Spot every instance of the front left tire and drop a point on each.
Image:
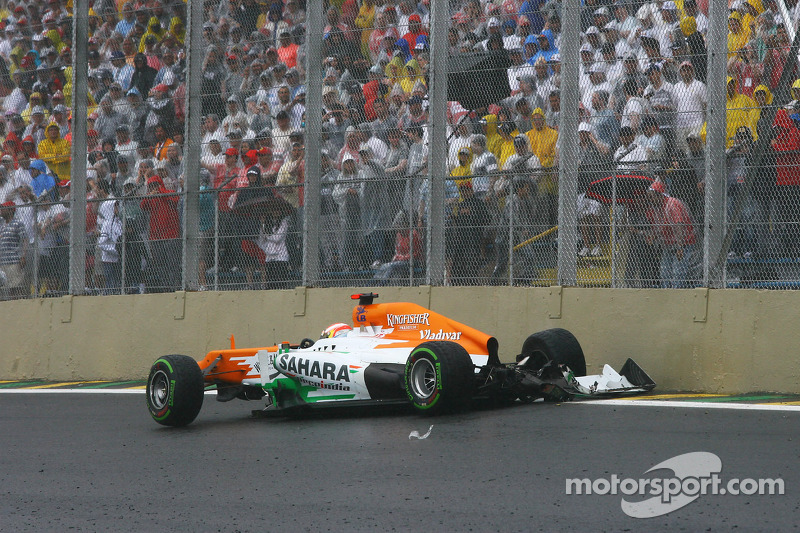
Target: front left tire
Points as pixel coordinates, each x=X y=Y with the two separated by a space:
x=175 y=390
x=439 y=377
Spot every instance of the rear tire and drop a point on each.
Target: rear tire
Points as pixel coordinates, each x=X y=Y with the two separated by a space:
x=175 y=390
x=557 y=345
x=439 y=377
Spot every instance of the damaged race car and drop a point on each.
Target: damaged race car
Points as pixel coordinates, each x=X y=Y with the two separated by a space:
x=395 y=353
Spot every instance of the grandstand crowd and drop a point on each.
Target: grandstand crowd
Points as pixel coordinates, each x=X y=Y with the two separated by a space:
x=642 y=108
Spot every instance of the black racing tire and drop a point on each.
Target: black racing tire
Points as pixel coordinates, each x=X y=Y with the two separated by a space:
x=175 y=390
x=557 y=345
x=439 y=377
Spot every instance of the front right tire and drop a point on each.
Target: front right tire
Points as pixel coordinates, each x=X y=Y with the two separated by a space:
x=557 y=345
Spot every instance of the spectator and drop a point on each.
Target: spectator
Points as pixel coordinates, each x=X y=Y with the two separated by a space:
x=674 y=230
x=786 y=145
x=163 y=267
x=776 y=56
x=55 y=151
x=329 y=216
x=629 y=155
x=162 y=142
x=109 y=119
x=469 y=235
x=747 y=70
x=376 y=207
x=52 y=224
x=691 y=10
x=543 y=144
x=395 y=167
x=109 y=229
x=741 y=111
x=42 y=183
x=635 y=107
x=407 y=245
x=690 y=105
x=143 y=77
x=347 y=195
x=738 y=34
x=653 y=142
x=291 y=177
x=13 y=252
x=518 y=213
x=661 y=97
x=249 y=219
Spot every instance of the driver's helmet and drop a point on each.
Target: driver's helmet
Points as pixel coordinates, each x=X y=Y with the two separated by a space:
x=335 y=330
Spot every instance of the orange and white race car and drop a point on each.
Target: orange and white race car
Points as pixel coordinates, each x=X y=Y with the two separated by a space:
x=393 y=353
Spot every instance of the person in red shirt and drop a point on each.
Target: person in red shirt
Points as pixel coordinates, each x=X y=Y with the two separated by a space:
x=164 y=264
x=287 y=50
x=229 y=178
x=786 y=145
x=415 y=29
x=674 y=230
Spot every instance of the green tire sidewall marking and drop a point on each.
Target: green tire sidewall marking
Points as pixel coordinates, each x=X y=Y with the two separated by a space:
x=171 y=390
x=413 y=359
x=166 y=363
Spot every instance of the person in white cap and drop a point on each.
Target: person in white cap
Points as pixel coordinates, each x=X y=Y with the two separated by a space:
x=594 y=163
x=597 y=80
x=347 y=195
x=628 y=24
x=690 y=105
x=594 y=39
x=587 y=61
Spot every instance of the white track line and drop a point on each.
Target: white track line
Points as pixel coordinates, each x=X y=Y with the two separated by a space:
x=693 y=405
x=79 y=391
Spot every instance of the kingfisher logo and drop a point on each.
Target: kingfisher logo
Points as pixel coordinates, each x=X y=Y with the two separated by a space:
x=419 y=318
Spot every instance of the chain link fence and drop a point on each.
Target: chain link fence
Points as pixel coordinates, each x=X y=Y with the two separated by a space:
x=382 y=176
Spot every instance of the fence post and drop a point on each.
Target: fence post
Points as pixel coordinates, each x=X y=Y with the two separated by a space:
x=77 y=228
x=192 y=143
x=437 y=142
x=715 y=216
x=568 y=145
x=313 y=139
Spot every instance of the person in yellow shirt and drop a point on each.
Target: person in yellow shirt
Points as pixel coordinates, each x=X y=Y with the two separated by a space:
x=366 y=21
x=500 y=131
x=741 y=111
x=153 y=28
x=738 y=34
x=55 y=151
x=543 y=139
x=463 y=170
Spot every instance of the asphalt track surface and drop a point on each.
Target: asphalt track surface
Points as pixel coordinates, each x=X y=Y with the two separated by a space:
x=98 y=462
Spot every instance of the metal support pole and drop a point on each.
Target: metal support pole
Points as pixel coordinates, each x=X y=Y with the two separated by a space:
x=714 y=230
x=192 y=148
x=80 y=88
x=313 y=140
x=568 y=144
x=437 y=142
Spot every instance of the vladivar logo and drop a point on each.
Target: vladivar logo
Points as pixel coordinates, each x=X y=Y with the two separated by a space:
x=692 y=475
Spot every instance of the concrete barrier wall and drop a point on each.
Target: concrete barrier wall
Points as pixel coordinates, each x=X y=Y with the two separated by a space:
x=727 y=341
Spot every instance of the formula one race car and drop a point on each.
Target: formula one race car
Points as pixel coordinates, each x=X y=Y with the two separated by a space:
x=394 y=353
